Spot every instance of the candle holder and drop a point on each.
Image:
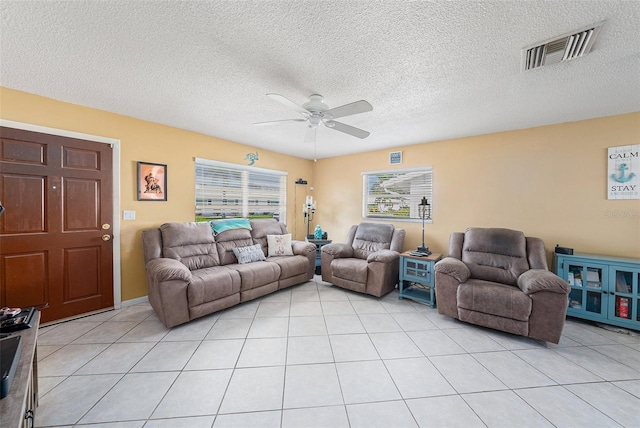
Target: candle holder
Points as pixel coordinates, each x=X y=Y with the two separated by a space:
x=308 y=210
x=424 y=209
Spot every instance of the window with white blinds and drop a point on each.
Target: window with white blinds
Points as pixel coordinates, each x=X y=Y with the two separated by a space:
x=396 y=194
x=225 y=190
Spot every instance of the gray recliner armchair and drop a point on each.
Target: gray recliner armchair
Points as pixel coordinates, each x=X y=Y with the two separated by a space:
x=498 y=278
x=368 y=261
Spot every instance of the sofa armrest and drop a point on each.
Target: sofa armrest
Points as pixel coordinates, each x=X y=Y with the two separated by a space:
x=454 y=268
x=338 y=250
x=383 y=256
x=302 y=248
x=535 y=280
x=164 y=269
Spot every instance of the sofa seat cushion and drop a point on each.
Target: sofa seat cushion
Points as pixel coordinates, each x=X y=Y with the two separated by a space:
x=253 y=275
x=494 y=299
x=211 y=284
x=291 y=266
x=354 y=270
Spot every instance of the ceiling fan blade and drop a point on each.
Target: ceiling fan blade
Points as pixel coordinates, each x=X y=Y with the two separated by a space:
x=310 y=136
x=287 y=102
x=348 y=109
x=272 y=122
x=348 y=129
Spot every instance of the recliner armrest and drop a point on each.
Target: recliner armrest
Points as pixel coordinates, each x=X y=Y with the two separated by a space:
x=338 y=250
x=535 y=280
x=165 y=269
x=383 y=256
x=302 y=248
x=454 y=268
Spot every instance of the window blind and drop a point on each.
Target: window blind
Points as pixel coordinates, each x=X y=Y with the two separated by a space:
x=396 y=194
x=225 y=190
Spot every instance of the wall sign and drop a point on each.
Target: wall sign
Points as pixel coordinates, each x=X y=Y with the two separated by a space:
x=623 y=177
x=395 y=158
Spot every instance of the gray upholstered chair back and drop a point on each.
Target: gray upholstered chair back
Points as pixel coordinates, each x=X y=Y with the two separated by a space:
x=498 y=255
x=192 y=244
x=367 y=238
x=263 y=227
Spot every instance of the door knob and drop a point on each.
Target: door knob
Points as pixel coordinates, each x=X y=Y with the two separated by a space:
x=106 y=237
x=106 y=226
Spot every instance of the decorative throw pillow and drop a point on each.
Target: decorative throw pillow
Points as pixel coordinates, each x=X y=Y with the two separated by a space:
x=279 y=245
x=252 y=253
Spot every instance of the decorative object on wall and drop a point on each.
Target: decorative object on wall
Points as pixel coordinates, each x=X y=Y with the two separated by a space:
x=395 y=158
x=251 y=157
x=308 y=210
x=152 y=181
x=623 y=179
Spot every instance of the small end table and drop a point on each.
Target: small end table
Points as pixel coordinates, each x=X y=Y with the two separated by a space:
x=417 y=279
x=319 y=243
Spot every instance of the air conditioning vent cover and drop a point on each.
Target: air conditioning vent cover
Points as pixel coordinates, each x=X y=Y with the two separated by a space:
x=559 y=49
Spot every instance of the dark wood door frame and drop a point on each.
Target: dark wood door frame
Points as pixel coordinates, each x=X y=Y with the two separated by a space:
x=115 y=144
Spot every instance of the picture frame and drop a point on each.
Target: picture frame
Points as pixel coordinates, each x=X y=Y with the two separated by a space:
x=152 y=181
x=395 y=158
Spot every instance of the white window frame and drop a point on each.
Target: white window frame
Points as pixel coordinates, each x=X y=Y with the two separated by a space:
x=412 y=183
x=245 y=196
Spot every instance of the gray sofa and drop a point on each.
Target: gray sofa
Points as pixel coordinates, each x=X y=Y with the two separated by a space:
x=368 y=262
x=191 y=273
x=498 y=278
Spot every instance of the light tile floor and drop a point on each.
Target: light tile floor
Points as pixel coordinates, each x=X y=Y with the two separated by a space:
x=316 y=355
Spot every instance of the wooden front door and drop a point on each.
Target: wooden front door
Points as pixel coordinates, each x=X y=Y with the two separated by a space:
x=55 y=234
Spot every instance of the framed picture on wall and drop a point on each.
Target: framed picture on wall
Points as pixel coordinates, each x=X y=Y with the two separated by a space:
x=152 y=181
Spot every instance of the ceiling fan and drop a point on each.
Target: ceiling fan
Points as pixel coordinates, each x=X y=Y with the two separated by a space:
x=315 y=112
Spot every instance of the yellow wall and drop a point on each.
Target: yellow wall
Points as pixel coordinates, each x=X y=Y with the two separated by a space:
x=549 y=182
x=150 y=142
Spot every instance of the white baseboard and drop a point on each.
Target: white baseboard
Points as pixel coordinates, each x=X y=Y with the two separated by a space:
x=136 y=301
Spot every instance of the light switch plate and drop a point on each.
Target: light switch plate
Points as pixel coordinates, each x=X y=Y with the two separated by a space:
x=128 y=215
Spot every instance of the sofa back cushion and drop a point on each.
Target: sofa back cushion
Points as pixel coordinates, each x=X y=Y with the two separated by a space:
x=230 y=239
x=190 y=243
x=371 y=237
x=494 y=254
x=260 y=228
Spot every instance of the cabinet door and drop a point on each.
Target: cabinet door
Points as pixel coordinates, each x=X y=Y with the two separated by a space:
x=625 y=296
x=418 y=270
x=586 y=280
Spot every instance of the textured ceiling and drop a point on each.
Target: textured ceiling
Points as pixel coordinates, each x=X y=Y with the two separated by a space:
x=432 y=70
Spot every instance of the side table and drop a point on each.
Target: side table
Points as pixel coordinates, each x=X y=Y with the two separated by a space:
x=417 y=281
x=319 y=243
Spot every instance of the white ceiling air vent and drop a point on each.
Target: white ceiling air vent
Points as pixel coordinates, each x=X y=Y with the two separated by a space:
x=559 y=49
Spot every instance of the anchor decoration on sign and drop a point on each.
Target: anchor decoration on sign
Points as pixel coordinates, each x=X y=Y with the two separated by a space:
x=621 y=176
x=252 y=157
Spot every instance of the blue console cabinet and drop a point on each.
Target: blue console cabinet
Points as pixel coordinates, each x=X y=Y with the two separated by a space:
x=603 y=288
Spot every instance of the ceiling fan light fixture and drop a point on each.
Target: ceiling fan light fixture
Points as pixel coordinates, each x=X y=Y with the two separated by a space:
x=316 y=112
x=314 y=120
x=315 y=104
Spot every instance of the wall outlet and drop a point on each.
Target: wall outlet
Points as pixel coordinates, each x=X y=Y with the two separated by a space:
x=128 y=215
